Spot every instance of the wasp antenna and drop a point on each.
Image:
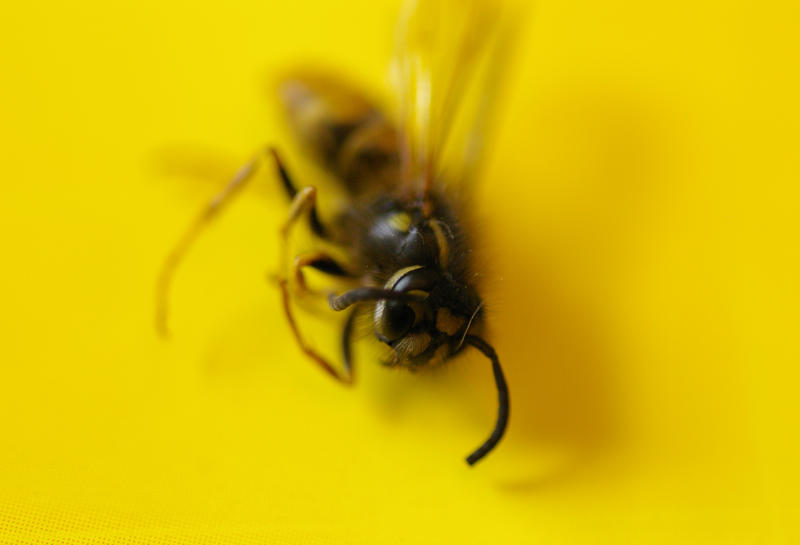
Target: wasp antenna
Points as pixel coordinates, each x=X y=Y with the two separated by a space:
x=359 y=295
x=502 y=398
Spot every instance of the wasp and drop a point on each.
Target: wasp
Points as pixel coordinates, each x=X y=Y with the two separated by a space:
x=403 y=244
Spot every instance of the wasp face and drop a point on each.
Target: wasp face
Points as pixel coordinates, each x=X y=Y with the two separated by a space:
x=395 y=319
x=425 y=331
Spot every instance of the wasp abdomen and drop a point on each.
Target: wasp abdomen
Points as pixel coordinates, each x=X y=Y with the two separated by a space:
x=343 y=130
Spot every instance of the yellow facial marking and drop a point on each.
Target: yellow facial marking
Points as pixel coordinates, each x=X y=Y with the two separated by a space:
x=441 y=241
x=401 y=221
x=447 y=322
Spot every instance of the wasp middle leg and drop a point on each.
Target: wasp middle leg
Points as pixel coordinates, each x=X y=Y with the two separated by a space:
x=319 y=261
x=291 y=190
x=304 y=203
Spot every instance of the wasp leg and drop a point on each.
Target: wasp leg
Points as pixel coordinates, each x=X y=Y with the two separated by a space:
x=212 y=209
x=347 y=344
x=305 y=201
x=345 y=378
x=319 y=261
x=323 y=263
x=292 y=191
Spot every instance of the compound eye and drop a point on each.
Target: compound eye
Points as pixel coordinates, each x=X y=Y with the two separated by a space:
x=394 y=319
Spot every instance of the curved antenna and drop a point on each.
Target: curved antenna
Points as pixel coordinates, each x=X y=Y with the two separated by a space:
x=502 y=398
x=359 y=295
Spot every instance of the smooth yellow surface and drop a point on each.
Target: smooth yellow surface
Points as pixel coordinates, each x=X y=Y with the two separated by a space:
x=639 y=236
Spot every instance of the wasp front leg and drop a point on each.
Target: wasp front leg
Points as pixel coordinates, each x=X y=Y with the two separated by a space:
x=347 y=343
x=323 y=263
x=328 y=265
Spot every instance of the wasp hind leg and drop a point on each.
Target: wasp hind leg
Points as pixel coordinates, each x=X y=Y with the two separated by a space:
x=191 y=234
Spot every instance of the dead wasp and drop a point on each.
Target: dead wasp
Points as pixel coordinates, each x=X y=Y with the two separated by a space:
x=407 y=251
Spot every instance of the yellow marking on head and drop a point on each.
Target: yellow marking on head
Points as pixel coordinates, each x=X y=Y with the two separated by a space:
x=400 y=221
x=447 y=322
x=441 y=241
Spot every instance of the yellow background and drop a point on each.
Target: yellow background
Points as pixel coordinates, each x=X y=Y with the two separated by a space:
x=639 y=222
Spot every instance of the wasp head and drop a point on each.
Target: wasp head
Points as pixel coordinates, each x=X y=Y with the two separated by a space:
x=429 y=324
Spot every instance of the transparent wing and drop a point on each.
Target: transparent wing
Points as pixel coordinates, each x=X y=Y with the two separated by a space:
x=449 y=64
